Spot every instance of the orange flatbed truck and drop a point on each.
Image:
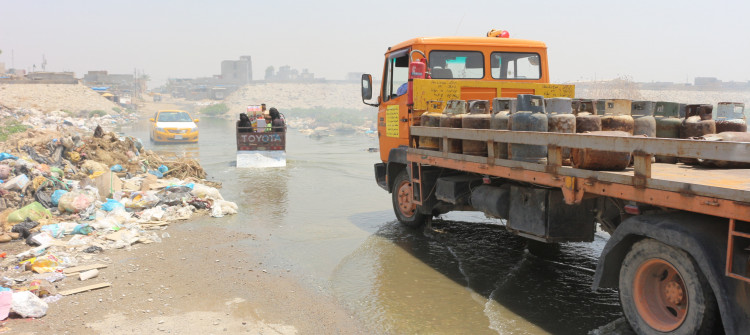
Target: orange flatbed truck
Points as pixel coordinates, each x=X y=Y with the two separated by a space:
x=679 y=249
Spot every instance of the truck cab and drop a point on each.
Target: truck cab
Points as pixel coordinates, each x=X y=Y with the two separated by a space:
x=463 y=68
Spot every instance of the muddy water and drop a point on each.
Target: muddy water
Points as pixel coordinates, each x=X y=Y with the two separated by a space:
x=326 y=222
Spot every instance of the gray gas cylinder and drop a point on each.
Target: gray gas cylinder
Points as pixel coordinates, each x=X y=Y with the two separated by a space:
x=730 y=116
x=529 y=117
x=501 y=110
x=644 y=122
x=668 y=123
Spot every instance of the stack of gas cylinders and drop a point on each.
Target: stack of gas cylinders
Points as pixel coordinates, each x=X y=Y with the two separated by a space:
x=602 y=117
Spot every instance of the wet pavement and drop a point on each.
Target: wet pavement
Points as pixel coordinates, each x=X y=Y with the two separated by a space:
x=325 y=220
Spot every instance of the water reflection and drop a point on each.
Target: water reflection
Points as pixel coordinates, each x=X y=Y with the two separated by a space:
x=472 y=278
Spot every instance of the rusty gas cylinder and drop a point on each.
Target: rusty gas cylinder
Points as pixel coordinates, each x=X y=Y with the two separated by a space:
x=617 y=117
x=599 y=160
x=529 y=117
x=644 y=122
x=560 y=119
x=478 y=118
x=501 y=109
x=697 y=123
x=451 y=118
x=431 y=118
x=586 y=118
x=727 y=136
x=730 y=116
x=668 y=125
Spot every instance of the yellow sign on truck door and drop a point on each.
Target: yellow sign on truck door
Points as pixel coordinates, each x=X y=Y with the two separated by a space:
x=391 y=121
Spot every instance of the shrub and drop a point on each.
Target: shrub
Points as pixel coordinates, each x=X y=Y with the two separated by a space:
x=97 y=113
x=214 y=110
x=9 y=127
x=117 y=110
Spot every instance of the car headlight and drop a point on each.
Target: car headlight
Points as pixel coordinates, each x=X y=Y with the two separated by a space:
x=159 y=129
x=194 y=129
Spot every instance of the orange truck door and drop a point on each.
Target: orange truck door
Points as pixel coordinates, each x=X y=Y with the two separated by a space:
x=393 y=125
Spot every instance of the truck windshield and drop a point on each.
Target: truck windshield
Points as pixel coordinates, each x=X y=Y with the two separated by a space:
x=515 y=65
x=456 y=64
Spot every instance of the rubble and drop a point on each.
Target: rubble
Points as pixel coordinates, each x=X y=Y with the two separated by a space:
x=67 y=194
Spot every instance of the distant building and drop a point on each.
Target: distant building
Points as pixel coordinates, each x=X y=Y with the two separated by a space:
x=117 y=82
x=707 y=81
x=354 y=76
x=237 y=71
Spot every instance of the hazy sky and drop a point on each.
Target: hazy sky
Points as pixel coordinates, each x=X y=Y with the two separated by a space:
x=668 y=40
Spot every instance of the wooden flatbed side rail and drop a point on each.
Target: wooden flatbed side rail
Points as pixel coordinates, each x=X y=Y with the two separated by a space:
x=574 y=188
x=728 y=151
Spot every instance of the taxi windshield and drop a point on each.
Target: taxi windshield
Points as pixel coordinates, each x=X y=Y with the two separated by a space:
x=174 y=117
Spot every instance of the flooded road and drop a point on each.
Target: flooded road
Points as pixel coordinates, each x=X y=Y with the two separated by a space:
x=328 y=223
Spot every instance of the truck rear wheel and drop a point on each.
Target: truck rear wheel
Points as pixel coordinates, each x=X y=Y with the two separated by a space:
x=662 y=291
x=403 y=202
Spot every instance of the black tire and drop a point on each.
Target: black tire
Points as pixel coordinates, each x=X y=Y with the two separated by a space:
x=676 y=300
x=407 y=214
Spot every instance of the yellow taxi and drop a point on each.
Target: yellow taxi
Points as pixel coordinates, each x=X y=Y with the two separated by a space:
x=173 y=126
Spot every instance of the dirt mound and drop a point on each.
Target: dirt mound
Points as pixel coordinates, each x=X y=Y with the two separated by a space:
x=50 y=97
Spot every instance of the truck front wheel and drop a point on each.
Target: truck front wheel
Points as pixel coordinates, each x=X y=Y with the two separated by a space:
x=662 y=291
x=403 y=202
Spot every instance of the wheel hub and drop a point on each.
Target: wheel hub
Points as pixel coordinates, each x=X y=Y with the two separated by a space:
x=674 y=293
x=660 y=296
x=405 y=203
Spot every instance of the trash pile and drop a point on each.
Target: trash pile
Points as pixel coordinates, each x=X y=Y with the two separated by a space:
x=66 y=196
x=83 y=121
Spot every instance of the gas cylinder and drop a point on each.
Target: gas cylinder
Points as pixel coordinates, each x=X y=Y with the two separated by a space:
x=586 y=118
x=451 y=118
x=529 y=117
x=501 y=109
x=560 y=119
x=431 y=118
x=697 y=123
x=590 y=159
x=478 y=118
x=644 y=122
x=668 y=125
x=616 y=116
x=730 y=116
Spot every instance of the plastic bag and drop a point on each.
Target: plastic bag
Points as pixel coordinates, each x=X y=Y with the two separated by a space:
x=34 y=211
x=163 y=168
x=55 y=198
x=156 y=173
x=116 y=168
x=24 y=228
x=75 y=202
x=5 y=155
x=140 y=200
x=83 y=229
x=44 y=198
x=111 y=204
x=174 y=195
x=206 y=192
x=28 y=305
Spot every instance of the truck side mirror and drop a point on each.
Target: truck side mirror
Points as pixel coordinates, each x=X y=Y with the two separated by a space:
x=367 y=89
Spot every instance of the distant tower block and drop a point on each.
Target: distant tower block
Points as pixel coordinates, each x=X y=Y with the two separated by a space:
x=237 y=71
